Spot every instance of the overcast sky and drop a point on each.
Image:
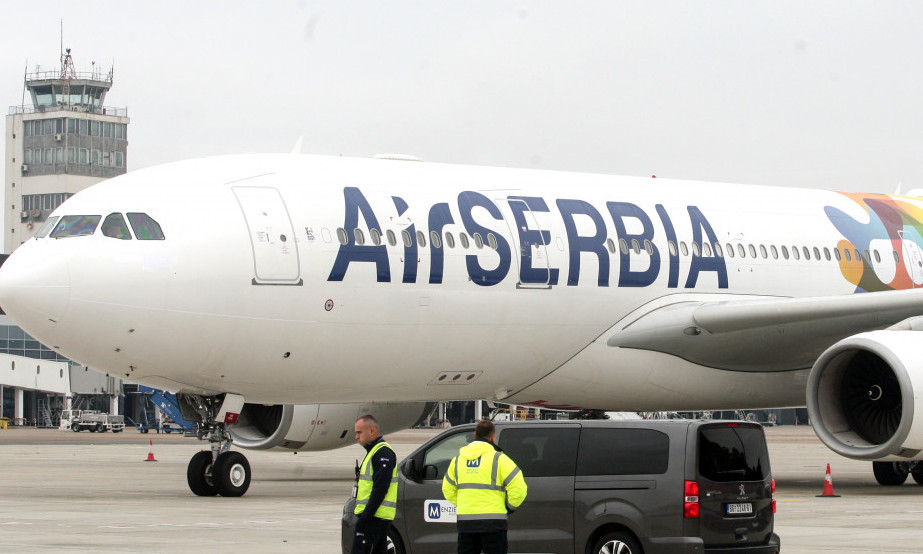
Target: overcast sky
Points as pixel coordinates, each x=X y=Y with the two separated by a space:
x=825 y=94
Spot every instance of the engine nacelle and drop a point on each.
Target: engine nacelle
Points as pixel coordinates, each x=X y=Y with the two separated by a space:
x=318 y=426
x=863 y=396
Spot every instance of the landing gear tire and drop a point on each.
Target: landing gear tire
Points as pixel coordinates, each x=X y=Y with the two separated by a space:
x=890 y=474
x=231 y=474
x=917 y=473
x=199 y=476
x=617 y=543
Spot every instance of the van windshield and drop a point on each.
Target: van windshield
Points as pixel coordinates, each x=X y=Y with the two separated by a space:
x=733 y=453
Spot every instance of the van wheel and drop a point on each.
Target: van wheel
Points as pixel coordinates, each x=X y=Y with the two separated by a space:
x=395 y=546
x=617 y=543
x=890 y=474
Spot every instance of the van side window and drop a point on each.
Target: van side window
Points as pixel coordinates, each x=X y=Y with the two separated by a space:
x=441 y=453
x=541 y=452
x=732 y=454
x=623 y=452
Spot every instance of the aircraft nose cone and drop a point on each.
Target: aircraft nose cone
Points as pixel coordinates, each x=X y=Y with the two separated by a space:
x=34 y=290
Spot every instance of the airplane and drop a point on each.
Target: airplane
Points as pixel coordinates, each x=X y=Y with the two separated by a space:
x=281 y=296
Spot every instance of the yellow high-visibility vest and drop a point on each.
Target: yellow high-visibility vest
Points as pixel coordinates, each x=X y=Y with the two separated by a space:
x=388 y=507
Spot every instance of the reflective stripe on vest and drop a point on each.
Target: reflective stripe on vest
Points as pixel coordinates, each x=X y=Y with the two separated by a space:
x=388 y=508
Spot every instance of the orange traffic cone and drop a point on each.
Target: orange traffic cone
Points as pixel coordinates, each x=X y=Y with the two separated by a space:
x=150 y=453
x=828 y=485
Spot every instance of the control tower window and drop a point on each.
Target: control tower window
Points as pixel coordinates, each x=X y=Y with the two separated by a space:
x=114 y=227
x=145 y=227
x=75 y=226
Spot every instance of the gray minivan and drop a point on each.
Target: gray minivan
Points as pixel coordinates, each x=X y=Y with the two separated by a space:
x=602 y=486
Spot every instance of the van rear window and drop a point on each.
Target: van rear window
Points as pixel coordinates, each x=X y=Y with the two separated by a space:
x=733 y=454
x=623 y=452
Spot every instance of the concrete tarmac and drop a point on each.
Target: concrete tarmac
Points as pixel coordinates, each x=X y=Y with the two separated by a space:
x=88 y=492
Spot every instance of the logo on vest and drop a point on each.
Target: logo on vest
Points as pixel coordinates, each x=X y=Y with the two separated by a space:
x=474 y=463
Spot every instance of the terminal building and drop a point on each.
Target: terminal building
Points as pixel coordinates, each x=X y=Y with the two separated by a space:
x=62 y=142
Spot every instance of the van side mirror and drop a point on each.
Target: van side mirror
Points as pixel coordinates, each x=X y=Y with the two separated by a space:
x=430 y=472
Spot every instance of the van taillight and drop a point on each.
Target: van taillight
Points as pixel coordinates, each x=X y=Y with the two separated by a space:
x=772 y=490
x=691 y=500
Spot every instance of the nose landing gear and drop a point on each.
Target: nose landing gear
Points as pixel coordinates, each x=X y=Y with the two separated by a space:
x=219 y=470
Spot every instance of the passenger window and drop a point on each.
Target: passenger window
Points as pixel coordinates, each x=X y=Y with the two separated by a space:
x=421 y=239
x=375 y=235
x=75 y=226
x=145 y=227
x=695 y=249
x=492 y=241
x=827 y=253
x=610 y=244
x=405 y=236
x=741 y=251
x=435 y=240
x=449 y=240
x=672 y=247
x=478 y=241
x=440 y=454
x=763 y=252
x=732 y=454
x=341 y=235
x=817 y=254
x=730 y=250
x=541 y=452
x=847 y=254
x=877 y=257
x=684 y=250
x=623 y=246
x=718 y=251
x=836 y=254
x=752 y=251
x=795 y=253
x=807 y=253
x=114 y=227
x=774 y=251
x=48 y=226
x=392 y=240
x=897 y=258
x=463 y=240
x=622 y=452
x=359 y=236
x=636 y=246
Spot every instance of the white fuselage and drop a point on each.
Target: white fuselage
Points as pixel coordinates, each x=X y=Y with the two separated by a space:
x=253 y=291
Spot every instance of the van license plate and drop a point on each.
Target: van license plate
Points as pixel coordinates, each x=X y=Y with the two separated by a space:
x=742 y=508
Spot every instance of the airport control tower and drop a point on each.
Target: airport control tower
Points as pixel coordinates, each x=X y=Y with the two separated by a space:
x=67 y=140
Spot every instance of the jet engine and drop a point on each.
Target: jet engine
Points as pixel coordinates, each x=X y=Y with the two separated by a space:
x=865 y=396
x=318 y=426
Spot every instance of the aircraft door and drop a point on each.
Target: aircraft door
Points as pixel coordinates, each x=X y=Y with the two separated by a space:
x=913 y=260
x=272 y=237
x=529 y=240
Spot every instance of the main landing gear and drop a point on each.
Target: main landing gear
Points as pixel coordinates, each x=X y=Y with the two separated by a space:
x=219 y=470
x=892 y=474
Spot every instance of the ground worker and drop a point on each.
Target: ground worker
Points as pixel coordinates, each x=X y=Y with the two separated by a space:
x=486 y=486
x=376 y=489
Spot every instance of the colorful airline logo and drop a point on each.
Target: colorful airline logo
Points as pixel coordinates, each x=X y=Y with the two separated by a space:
x=868 y=248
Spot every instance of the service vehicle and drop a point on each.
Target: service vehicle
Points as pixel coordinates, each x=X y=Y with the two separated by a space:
x=604 y=486
x=93 y=421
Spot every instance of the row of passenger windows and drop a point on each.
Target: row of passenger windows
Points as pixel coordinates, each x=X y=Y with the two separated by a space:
x=696 y=249
x=42 y=156
x=143 y=225
x=37 y=127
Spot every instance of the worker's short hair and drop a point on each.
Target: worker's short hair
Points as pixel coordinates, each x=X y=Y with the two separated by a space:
x=369 y=418
x=484 y=429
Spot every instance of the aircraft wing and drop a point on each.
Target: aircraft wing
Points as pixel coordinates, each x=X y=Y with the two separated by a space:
x=773 y=334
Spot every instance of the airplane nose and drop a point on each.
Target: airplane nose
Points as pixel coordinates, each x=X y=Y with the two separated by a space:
x=34 y=288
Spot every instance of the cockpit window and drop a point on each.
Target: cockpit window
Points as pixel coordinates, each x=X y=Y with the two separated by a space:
x=75 y=226
x=145 y=227
x=114 y=226
x=46 y=227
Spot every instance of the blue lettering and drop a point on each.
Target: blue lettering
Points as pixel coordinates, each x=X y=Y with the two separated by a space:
x=594 y=244
x=702 y=263
x=352 y=252
x=467 y=201
x=627 y=277
x=439 y=217
x=410 y=250
x=673 y=280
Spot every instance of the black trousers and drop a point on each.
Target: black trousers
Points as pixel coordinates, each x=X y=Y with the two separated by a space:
x=371 y=536
x=492 y=542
